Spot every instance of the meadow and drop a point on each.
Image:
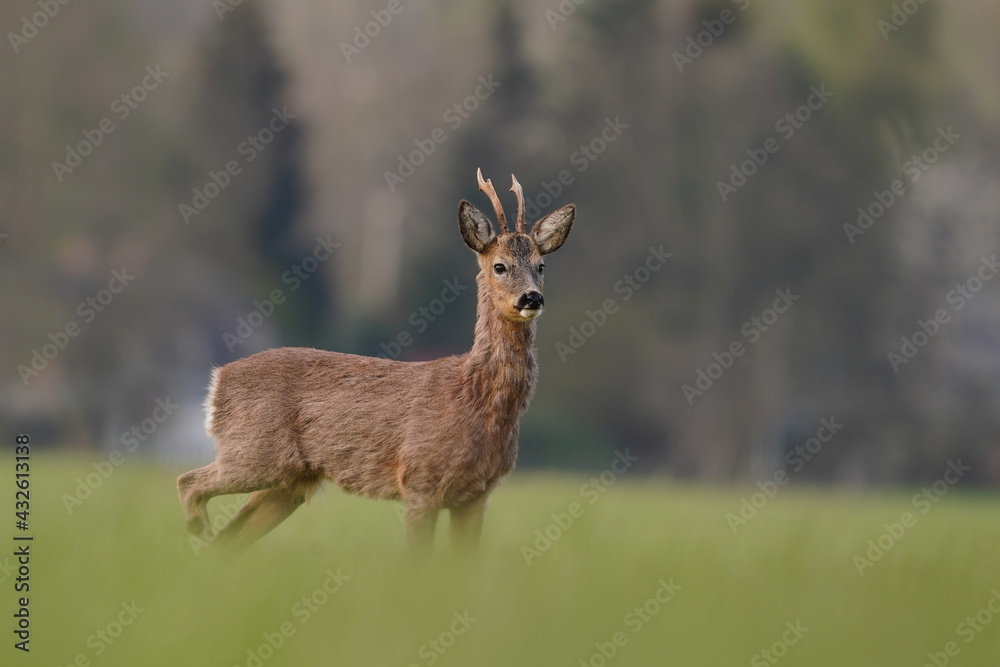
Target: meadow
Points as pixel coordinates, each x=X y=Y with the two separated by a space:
x=644 y=571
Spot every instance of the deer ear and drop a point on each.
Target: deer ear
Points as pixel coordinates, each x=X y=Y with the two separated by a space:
x=551 y=231
x=477 y=231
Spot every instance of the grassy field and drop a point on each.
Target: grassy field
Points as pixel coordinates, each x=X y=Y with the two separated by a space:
x=647 y=572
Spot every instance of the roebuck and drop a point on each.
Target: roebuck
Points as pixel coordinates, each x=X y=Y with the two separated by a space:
x=434 y=434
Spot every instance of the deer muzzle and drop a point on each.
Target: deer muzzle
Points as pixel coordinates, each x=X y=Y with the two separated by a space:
x=530 y=301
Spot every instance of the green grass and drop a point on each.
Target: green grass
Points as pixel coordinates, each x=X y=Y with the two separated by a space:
x=791 y=563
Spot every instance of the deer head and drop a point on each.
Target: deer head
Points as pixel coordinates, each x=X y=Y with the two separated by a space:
x=511 y=262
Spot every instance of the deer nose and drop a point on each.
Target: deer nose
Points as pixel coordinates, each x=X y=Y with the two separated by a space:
x=532 y=301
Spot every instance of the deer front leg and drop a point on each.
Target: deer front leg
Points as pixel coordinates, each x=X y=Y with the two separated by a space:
x=420 y=524
x=467 y=524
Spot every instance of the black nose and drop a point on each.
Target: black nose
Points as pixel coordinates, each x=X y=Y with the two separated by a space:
x=531 y=301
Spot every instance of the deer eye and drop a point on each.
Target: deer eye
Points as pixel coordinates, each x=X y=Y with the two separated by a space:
x=541 y=269
x=499 y=268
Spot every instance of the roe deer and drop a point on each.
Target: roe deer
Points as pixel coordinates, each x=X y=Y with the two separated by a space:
x=435 y=434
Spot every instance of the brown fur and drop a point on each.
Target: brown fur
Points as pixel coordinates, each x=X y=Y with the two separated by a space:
x=436 y=434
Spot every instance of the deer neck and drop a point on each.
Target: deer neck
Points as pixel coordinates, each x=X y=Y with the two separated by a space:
x=500 y=370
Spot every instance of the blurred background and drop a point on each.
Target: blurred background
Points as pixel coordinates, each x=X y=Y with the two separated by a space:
x=187 y=183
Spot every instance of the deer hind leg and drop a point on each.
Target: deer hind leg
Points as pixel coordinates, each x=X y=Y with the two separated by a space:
x=467 y=524
x=196 y=488
x=218 y=478
x=261 y=513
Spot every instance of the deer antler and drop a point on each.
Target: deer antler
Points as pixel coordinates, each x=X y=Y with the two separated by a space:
x=516 y=189
x=487 y=187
